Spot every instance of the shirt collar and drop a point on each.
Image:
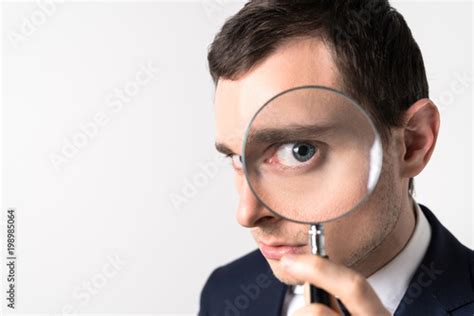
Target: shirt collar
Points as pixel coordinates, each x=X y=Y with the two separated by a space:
x=392 y=280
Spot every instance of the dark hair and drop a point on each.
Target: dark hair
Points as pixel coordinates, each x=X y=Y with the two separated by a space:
x=380 y=63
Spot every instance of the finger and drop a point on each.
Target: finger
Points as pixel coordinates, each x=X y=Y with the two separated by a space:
x=315 y=310
x=350 y=287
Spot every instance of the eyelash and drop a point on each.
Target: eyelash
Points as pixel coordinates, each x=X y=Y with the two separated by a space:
x=318 y=156
x=275 y=146
x=231 y=157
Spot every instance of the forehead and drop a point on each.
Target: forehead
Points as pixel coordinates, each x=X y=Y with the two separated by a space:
x=296 y=63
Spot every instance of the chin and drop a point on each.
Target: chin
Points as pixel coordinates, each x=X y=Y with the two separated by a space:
x=280 y=273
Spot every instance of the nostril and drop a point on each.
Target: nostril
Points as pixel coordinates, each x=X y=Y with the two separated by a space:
x=263 y=220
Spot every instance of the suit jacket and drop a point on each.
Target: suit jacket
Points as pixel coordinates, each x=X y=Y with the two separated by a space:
x=443 y=284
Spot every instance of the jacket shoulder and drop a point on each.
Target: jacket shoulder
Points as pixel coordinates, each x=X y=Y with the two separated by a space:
x=250 y=263
x=225 y=277
x=249 y=278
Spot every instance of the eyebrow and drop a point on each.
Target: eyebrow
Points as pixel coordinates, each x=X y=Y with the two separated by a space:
x=224 y=149
x=290 y=133
x=277 y=135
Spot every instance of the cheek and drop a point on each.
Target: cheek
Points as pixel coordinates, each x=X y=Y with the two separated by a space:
x=367 y=226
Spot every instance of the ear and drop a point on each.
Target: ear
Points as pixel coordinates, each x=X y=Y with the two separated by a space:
x=420 y=132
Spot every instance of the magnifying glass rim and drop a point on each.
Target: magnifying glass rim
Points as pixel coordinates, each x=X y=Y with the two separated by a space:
x=319 y=87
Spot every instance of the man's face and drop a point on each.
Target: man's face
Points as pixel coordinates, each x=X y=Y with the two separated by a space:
x=349 y=240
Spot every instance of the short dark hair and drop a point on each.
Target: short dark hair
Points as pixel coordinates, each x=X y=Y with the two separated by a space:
x=380 y=62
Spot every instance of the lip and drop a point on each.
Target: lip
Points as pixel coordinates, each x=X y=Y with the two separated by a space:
x=276 y=251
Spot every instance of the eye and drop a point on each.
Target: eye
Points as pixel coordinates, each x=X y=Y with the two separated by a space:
x=295 y=154
x=236 y=161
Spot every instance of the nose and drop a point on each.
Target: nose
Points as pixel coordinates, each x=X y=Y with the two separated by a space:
x=250 y=211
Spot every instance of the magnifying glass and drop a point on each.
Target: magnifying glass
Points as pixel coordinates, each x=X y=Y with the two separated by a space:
x=311 y=155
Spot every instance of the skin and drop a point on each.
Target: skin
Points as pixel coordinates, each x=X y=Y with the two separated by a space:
x=358 y=244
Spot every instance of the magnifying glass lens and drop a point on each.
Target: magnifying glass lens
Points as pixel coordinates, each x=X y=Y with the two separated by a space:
x=311 y=154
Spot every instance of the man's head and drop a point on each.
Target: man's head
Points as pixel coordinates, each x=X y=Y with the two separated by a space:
x=363 y=48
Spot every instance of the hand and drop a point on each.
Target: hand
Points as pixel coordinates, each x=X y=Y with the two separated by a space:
x=350 y=287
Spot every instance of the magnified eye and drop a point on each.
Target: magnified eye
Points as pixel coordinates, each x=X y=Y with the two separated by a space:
x=294 y=154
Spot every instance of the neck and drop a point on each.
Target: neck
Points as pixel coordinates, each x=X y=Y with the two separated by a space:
x=393 y=244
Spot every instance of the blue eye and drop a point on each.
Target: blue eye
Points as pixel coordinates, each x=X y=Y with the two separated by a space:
x=295 y=154
x=303 y=152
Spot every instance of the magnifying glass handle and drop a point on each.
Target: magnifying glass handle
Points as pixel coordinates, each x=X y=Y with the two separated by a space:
x=316 y=233
x=318 y=295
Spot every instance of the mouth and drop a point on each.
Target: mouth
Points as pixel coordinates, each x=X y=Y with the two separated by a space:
x=275 y=251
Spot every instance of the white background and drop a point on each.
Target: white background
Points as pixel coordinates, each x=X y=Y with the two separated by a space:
x=146 y=190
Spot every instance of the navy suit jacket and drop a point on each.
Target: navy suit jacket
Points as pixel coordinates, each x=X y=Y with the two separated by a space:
x=443 y=284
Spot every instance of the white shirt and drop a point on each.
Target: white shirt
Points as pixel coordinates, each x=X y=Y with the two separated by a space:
x=389 y=282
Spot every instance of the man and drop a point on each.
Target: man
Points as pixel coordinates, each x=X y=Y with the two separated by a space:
x=390 y=257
